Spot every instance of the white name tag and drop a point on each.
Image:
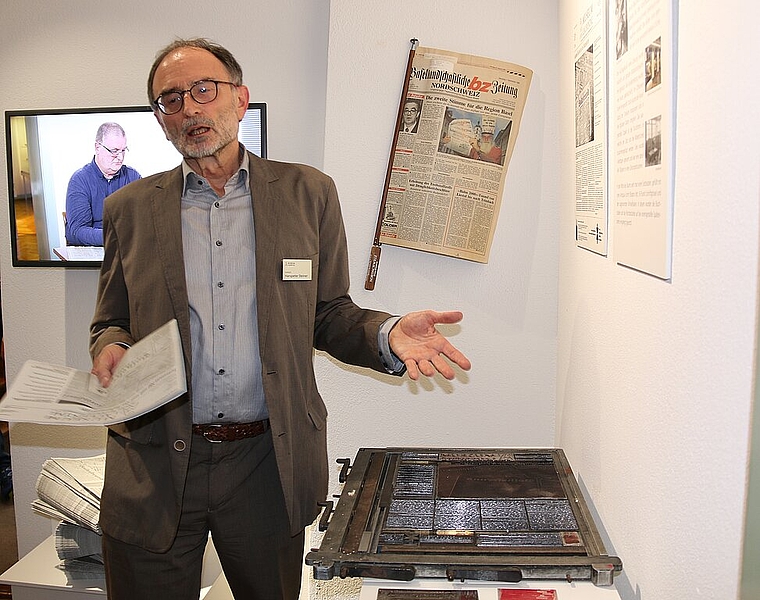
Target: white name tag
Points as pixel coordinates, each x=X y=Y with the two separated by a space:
x=296 y=269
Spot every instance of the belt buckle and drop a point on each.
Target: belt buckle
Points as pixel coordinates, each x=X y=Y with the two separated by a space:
x=206 y=433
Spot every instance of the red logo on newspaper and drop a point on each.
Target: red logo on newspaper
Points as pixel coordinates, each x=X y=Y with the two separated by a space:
x=480 y=86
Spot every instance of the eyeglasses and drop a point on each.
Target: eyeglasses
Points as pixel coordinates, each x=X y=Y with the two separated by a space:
x=202 y=92
x=115 y=152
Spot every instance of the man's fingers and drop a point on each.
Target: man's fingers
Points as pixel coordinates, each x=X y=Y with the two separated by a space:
x=443 y=367
x=426 y=368
x=411 y=370
x=457 y=357
x=429 y=368
x=450 y=316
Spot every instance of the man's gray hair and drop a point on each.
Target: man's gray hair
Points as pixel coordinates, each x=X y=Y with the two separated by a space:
x=220 y=52
x=107 y=128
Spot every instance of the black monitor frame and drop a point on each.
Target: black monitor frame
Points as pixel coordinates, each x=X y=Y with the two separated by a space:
x=50 y=150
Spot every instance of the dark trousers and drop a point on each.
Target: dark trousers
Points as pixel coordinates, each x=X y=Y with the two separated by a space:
x=233 y=490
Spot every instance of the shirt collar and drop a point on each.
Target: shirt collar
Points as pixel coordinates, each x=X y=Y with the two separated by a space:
x=242 y=172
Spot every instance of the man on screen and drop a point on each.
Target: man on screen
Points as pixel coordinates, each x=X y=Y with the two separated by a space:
x=89 y=186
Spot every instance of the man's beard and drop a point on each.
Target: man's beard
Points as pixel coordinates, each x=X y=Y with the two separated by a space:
x=224 y=133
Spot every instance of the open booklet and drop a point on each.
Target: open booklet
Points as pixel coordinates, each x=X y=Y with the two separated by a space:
x=151 y=373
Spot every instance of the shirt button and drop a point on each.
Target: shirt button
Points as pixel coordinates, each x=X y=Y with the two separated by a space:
x=218 y=242
x=221 y=326
x=220 y=284
x=179 y=445
x=216 y=204
x=221 y=371
x=220 y=415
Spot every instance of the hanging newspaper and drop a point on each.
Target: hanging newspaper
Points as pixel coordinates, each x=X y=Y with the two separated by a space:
x=461 y=115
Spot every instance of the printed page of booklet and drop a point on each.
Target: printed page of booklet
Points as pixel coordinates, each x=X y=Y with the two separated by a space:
x=151 y=373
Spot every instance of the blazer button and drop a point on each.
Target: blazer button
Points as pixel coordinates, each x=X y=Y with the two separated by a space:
x=179 y=445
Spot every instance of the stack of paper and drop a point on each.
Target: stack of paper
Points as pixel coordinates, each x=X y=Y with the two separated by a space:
x=80 y=551
x=69 y=489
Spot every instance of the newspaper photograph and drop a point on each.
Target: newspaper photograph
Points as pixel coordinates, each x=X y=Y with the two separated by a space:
x=461 y=116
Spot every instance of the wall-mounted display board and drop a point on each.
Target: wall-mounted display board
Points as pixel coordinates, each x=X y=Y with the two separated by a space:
x=624 y=75
x=642 y=139
x=591 y=197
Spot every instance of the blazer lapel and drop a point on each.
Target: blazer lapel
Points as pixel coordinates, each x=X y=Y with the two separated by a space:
x=167 y=223
x=266 y=215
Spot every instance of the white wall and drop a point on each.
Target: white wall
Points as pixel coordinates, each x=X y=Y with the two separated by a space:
x=510 y=304
x=655 y=379
x=509 y=329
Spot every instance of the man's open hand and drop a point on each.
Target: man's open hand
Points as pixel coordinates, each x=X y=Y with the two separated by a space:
x=416 y=341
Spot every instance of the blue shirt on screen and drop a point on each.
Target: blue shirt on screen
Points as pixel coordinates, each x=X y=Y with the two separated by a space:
x=87 y=190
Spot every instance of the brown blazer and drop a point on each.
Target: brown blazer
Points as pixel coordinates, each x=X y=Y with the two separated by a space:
x=142 y=286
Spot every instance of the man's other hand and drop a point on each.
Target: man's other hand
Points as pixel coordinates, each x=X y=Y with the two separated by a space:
x=106 y=362
x=416 y=341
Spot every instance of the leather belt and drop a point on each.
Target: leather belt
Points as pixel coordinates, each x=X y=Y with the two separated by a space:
x=229 y=432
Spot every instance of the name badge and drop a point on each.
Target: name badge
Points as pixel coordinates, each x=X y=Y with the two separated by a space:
x=296 y=269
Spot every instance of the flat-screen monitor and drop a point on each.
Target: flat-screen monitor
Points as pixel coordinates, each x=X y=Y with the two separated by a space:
x=46 y=147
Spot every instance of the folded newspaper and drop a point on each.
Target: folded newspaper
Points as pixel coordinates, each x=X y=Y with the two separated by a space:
x=80 y=551
x=150 y=374
x=69 y=489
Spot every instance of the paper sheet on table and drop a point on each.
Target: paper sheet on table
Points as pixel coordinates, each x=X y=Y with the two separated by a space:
x=151 y=374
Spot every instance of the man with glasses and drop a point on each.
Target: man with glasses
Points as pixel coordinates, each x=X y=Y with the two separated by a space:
x=249 y=255
x=410 y=119
x=89 y=186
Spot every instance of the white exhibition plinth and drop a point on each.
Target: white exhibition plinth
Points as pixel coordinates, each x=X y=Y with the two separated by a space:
x=37 y=577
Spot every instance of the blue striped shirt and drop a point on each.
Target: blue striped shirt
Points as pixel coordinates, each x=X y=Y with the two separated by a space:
x=218 y=240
